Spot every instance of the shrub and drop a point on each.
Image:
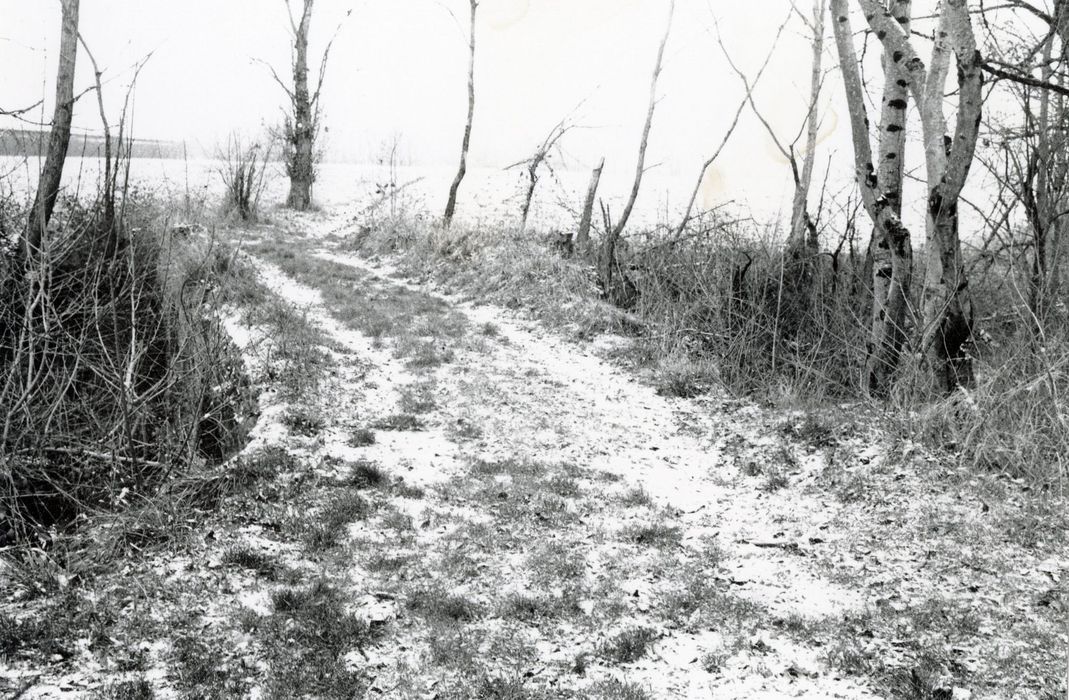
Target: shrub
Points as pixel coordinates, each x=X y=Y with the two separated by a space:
x=112 y=376
x=243 y=172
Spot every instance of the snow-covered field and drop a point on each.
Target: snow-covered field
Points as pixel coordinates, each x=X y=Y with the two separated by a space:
x=488 y=196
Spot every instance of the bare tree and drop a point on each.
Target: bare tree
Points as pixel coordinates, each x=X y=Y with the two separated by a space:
x=113 y=150
x=300 y=128
x=615 y=284
x=640 y=168
x=462 y=168
x=747 y=97
x=582 y=236
x=540 y=156
x=59 y=139
x=947 y=327
x=1031 y=163
x=803 y=228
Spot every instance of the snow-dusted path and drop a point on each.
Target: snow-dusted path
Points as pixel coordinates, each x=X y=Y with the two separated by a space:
x=538 y=397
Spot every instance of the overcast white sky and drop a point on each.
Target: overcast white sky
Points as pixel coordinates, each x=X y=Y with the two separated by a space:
x=398 y=68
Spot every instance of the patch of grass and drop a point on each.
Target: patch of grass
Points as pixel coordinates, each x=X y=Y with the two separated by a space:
x=201 y=670
x=683 y=379
x=399 y=422
x=653 y=535
x=465 y=429
x=521 y=606
x=814 y=430
x=751 y=467
x=713 y=661
x=423 y=354
x=794 y=623
x=262 y=465
x=388 y=563
x=328 y=527
x=17 y=636
x=404 y=490
x=776 y=479
x=437 y=604
x=365 y=474
x=496 y=686
x=513 y=466
x=450 y=644
x=422 y=326
x=628 y=646
x=556 y=564
x=774 y=469
x=305 y=641
x=418 y=398
x=398 y=521
x=50 y=632
x=296 y=338
x=636 y=497
x=564 y=486
x=460 y=564
x=489 y=330
x=362 y=437
x=135 y=689
x=525 y=500
x=304 y=421
x=936 y=623
x=844 y=476
x=248 y=558
x=693 y=598
x=296 y=361
x=615 y=689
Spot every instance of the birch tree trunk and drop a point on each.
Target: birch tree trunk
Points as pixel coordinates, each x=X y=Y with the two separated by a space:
x=892 y=257
x=948 y=315
x=947 y=333
x=462 y=168
x=582 y=236
x=59 y=139
x=303 y=130
x=893 y=266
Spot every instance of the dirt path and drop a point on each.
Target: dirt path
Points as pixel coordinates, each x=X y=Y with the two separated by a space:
x=531 y=398
x=765 y=553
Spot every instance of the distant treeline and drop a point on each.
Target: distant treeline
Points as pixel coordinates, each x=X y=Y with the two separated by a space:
x=26 y=142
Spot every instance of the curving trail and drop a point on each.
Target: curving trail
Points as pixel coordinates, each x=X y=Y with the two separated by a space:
x=538 y=398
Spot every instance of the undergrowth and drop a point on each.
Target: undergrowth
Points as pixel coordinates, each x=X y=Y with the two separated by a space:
x=726 y=307
x=116 y=374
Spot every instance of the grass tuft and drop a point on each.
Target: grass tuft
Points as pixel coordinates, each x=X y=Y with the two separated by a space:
x=400 y=422
x=628 y=646
x=362 y=437
x=327 y=528
x=437 y=604
x=304 y=421
x=653 y=535
x=365 y=474
x=248 y=558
